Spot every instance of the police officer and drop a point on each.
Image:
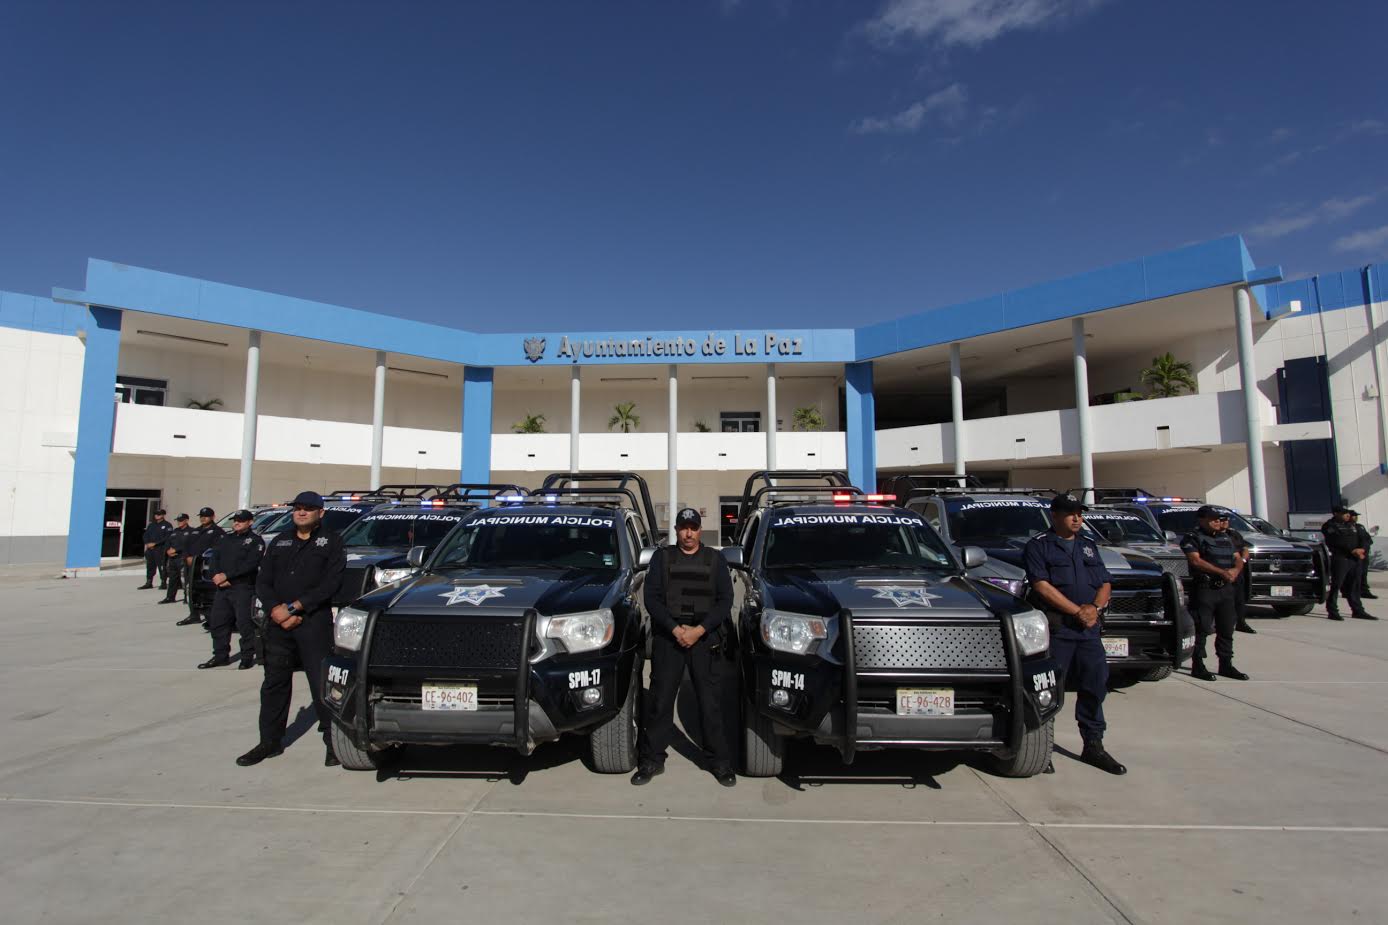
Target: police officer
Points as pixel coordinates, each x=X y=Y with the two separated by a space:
x=203 y=538
x=177 y=546
x=1346 y=554
x=1244 y=552
x=1217 y=567
x=689 y=595
x=1366 y=541
x=299 y=575
x=156 y=541
x=1071 y=585
x=235 y=561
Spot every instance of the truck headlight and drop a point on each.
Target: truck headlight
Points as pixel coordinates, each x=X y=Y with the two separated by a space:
x=348 y=627
x=1013 y=586
x=389 y=576
x=793 y=632
x=1033 y=632
x=578 y=632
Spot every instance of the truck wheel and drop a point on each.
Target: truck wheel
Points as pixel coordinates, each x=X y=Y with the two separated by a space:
x=353 y=758
x=763 y=751
x=1156 y=674
x=1291 y=610
x=1033 y=752
x=612 y=746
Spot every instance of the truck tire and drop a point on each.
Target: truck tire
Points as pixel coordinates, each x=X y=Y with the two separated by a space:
x=763 y=751
x=353 y=758
x=1291 y=610
x=1033 y=752
x=1156 y=674
x=612 y=746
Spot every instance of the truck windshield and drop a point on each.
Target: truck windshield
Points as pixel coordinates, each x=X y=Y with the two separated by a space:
x=532 y=541
x=1183 y=520
x=988 y=523
x=1118 y=528
x=400 y=529
x=854 y=541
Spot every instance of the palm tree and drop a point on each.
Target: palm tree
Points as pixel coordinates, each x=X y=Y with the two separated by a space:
x=205 y=405
x=625 y=418
x=1168 y=377
x=530 y=424
x=806 y=418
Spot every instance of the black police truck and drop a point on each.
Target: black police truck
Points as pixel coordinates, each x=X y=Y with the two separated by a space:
x=523 y=625
x=860 y=630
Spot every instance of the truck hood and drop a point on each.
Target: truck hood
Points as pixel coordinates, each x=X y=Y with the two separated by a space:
x=823 y=592
x=461 y=592
x=367 y=556
x=1116 y=558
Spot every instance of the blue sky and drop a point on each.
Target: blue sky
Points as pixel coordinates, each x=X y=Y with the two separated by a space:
x=567 y=165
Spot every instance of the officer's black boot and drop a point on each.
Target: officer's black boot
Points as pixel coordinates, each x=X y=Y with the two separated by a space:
x=260 y=753
x=1199 y=671
x=1364 y=615
x=1243 y=627
x=1094 y=754
x=144 y=587
x=1227 y=670
x=725 y=776
x=331 y=760
x=188 y=620
x=1369 y=594
x=1333 y=616
x=215 y=661
x=645 y=772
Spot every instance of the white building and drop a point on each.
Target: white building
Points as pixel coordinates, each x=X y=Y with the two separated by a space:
x=306 y=395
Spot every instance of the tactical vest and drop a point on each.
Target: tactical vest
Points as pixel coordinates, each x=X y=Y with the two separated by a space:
x=689 y=584
x=1342 y=538
x=1217 y=549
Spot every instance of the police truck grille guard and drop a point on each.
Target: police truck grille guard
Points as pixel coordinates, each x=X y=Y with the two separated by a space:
x=914 y=647
x=1174 y=565
x=448 y=643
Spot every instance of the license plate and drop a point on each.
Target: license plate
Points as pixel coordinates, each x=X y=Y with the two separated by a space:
x=1281 y=591
x=1116 y=647
x=925 y=701
x=435 y=696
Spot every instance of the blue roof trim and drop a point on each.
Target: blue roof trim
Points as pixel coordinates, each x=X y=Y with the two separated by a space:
x=1221 y=262
x=1326 y=292
x=37 y=313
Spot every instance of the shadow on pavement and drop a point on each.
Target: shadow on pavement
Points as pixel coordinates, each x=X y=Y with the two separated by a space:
x=477 y=762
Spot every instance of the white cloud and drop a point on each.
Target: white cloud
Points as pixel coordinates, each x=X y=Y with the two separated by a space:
x=947 y=106
x=1367 y=241
x=967 y=22
x=1368 y=127
x=1290 y=221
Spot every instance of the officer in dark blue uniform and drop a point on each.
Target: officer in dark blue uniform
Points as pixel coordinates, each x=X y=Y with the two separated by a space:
x=1071 y=585
x=234 y=564
x=299 y=575
x=178 y=541
x=203 y=538
x=1347 y=552
x=1217 y=567
x=156 y=540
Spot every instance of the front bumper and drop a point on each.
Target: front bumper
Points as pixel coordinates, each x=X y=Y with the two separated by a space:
x=1152 y=640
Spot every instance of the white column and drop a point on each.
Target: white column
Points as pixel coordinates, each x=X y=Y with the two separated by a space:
x=771 y=415
x=378 y=420
x=575 y=390
x=1248 y=381
x=249 y=420
x=1082 y=404
x=956 y=408
x=672 y=451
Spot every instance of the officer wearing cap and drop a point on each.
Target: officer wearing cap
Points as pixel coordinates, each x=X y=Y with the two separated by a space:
x=178 y=541
x=156 y=540
x=234 y=563
x=689 y=595
x=1346 y=554
x=1366 y=540
x=1217 y=567
x=1070 y=583
x=299 y=575
x=203 y=538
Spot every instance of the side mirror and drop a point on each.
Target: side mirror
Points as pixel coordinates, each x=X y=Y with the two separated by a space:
x=644 y=557
x=417 y=556
x=973 y=557
x=733 y=556
x=1172 y=537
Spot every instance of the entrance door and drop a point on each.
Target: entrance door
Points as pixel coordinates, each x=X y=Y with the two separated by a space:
x=128 y=512
x=133 y=527
x=727 y=521
x=111 y=527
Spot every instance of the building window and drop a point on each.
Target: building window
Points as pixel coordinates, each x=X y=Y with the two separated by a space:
x=733 y=422
x=139 y=391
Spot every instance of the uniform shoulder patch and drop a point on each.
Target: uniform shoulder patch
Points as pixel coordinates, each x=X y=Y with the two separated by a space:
x=321 y=541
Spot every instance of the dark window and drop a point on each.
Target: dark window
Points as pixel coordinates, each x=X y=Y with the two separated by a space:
x=1303 y=391
x=133 y=389
x=732 y=422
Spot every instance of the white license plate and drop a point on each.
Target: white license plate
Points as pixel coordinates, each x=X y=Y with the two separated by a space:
x=435 y=696
x=1116 y=647
x=1281 y=591
x=925 y=701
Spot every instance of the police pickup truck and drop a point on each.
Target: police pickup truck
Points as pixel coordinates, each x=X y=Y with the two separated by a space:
x=1147 y=632
x=1287 y=575
x=378 y=544
x=859 y=629
x=521 y=626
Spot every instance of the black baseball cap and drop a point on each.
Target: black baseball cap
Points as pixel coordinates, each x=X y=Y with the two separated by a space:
x=181 y=517
x=243 y=515
x=160 y=513
x=207 y=512
x=1340 y=509
x=1067 y=504
x=308 y=499
x=688 y=517
x=1212 y=512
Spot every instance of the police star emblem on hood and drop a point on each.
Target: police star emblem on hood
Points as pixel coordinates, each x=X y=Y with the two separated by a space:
x=472 y=594
x=906 y=597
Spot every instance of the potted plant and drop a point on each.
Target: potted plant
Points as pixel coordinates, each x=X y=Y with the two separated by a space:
x=1168 y=377
x=702 y=428
x=625 y=417
x=205 y=405
x=530 y=424
x=807 y=418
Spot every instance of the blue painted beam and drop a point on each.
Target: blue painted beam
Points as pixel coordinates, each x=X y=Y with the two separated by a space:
x=477 y=424
x=95 y=424
x=862 y=426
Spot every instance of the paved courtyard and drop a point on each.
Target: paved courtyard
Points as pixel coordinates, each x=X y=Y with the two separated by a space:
x=120 y=802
